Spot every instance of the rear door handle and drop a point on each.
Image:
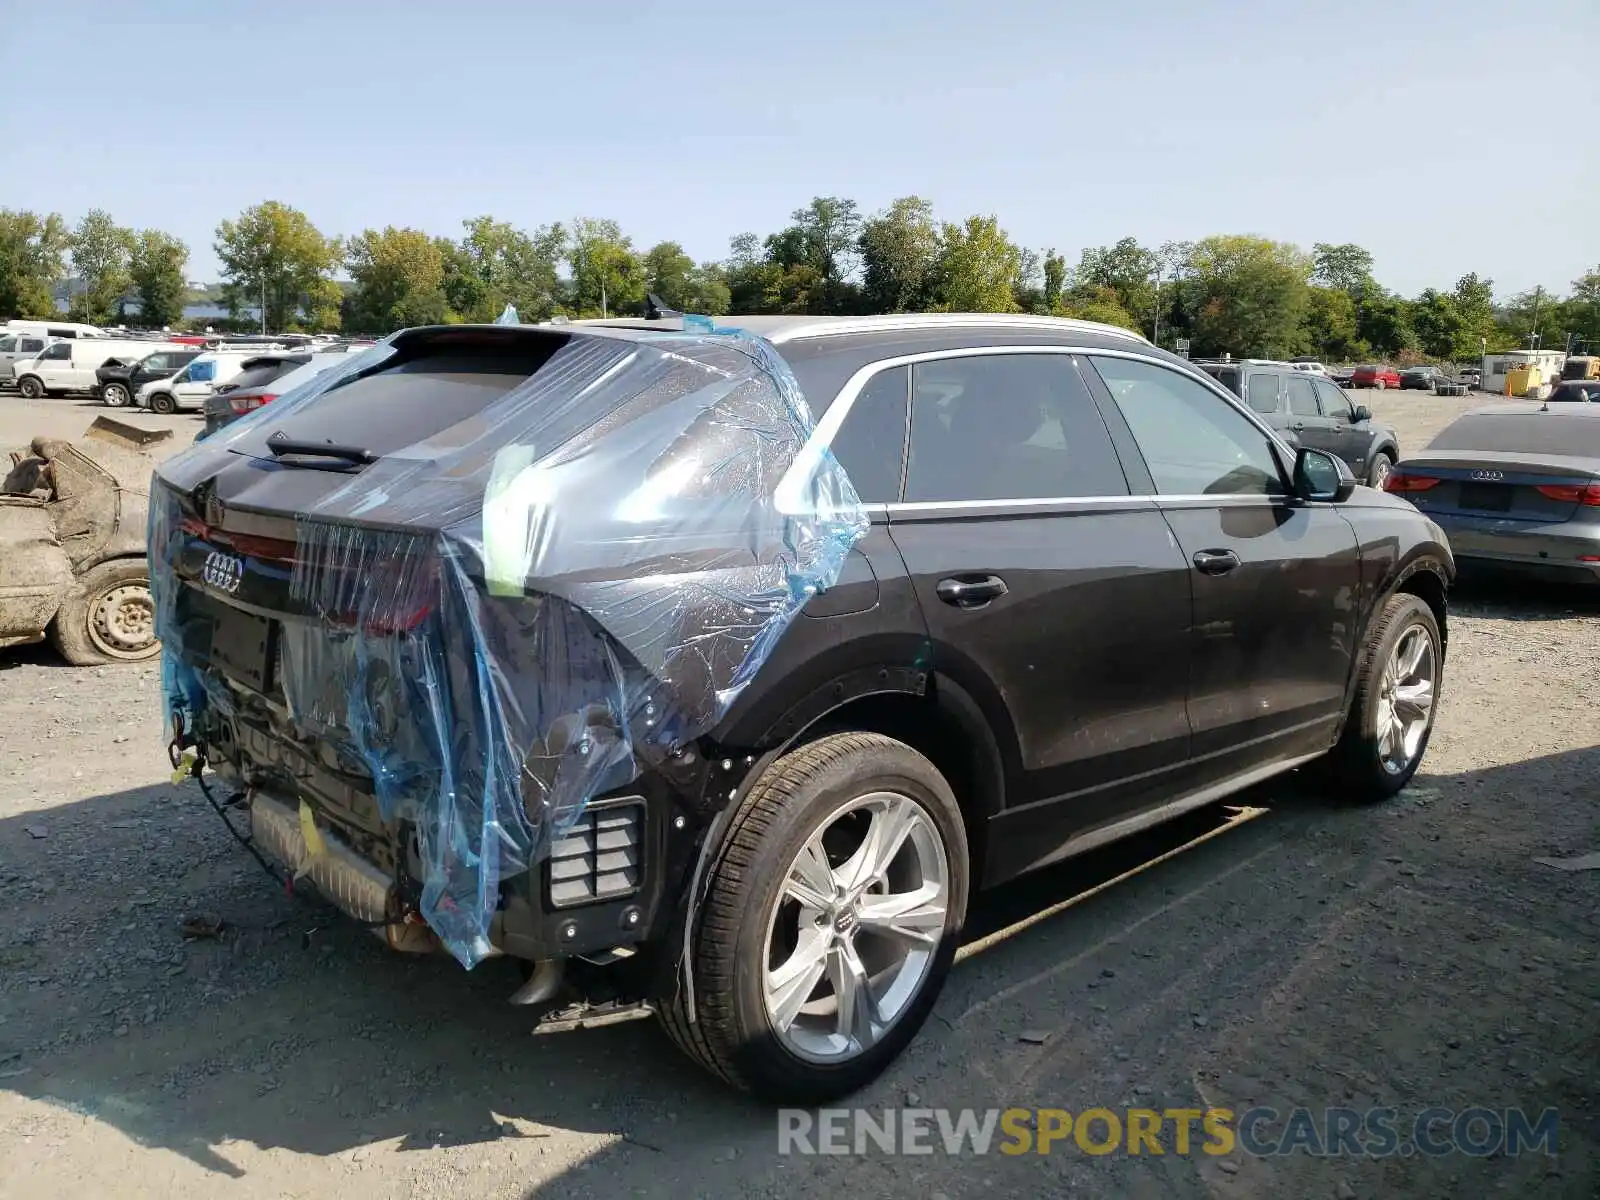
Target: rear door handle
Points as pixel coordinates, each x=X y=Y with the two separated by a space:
x=971 y=591
x=1215 y=562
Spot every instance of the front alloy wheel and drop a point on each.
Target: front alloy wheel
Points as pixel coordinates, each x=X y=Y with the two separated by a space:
x=1397 y=694
x=1405 y=699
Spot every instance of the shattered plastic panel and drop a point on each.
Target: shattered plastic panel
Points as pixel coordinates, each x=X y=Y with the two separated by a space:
x=524 y=610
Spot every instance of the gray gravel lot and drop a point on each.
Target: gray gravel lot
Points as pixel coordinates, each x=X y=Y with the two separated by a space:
x=1410 y=955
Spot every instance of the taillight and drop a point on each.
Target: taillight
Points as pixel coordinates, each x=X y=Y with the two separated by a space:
x=1571 y=493
x=1405 y=481
x=244 y=404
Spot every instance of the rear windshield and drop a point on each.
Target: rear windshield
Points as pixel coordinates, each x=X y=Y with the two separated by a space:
x=1573 y=433
x=417 y=398
x=260 y=375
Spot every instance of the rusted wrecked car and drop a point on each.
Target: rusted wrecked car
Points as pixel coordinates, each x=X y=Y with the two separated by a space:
x=73 y=517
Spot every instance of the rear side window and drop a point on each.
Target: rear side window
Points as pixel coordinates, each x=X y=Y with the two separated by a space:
x=1262 y=391
x=7 y=344
x=871 y=444
x=1007 y=427
x=1302 y=398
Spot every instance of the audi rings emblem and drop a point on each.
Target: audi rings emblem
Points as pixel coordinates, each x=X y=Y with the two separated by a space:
x=224 y=572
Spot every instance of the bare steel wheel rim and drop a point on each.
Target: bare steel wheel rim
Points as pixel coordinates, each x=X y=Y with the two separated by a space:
x=122 y=621
x=855 y=927
x=1405 y=699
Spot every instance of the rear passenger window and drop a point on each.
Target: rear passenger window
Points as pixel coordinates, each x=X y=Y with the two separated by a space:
x=871 y=444
x=1302 y=398
x=1262 y=392
x=1007 y=427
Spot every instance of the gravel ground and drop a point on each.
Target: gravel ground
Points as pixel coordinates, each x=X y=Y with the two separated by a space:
x=1410 y=955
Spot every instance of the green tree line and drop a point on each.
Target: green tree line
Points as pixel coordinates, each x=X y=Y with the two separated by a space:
x=1230 y=293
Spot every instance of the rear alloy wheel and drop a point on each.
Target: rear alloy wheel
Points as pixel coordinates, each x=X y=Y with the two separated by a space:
x=1397 y=693
x=31 y=387
x=1378 y=473
x=115 y=395
x=108 y=617
x=1379 y=384
x=163 y=403
x=830 y=923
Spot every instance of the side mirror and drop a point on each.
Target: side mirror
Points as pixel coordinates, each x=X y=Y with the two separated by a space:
x=1360 y=413
x=1319 y=475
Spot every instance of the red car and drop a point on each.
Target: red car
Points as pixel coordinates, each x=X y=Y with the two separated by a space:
x=1375 y=377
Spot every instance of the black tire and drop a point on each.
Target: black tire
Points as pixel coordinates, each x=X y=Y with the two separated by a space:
x=115 y=395
x=31 y=387
x=791 y=799
x=1382 y=464
x=1356 y=763
x=87 y=635
x=163 y=403
x=1380 y=384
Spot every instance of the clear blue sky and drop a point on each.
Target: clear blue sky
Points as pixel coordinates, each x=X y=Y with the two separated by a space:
x=1390 y=125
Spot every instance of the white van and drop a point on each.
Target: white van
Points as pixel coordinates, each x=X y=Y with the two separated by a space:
x=69 y=365
x=189 y=388
x=15 y=346
x=55 y=329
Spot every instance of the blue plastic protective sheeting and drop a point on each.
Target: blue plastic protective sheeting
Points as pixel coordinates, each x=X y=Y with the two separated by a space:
x=524 y=610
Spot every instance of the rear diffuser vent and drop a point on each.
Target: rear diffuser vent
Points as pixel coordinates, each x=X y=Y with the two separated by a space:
x=598 y=858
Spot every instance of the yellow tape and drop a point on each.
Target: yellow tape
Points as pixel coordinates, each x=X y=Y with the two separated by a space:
x=315 y=846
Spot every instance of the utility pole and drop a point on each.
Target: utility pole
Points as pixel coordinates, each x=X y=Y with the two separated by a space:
x=1533 y=337
x=1155 y=332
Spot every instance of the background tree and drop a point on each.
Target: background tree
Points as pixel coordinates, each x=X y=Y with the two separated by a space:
x=1122 y=275
x=1383 y=322
x=497 y=264
x=1331 y=331
x=1253 y=297
x=100 y=250
x=899 y=250
x=274 y=252
x=1583 y=311
x=1474 y=304
x=1055 y=280
x=399 y=278
x=156 y=268
x=1347 y=267
x=607 y=275
x=1437 y=322
x=681 y=284
x=31 y=250
x=977 y=267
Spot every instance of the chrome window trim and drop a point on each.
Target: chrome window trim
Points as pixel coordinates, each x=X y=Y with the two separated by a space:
x=789 y=494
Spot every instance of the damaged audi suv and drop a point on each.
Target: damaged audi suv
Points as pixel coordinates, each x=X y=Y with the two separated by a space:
x=709 y=670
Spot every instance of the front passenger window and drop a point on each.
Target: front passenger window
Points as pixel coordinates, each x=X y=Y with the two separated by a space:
x=1302 y=398
x=1193 y=441
x=60 y=352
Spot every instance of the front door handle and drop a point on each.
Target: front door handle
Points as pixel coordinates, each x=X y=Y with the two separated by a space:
x=1215 y=562
x=1297 y=425
x=971 y=591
